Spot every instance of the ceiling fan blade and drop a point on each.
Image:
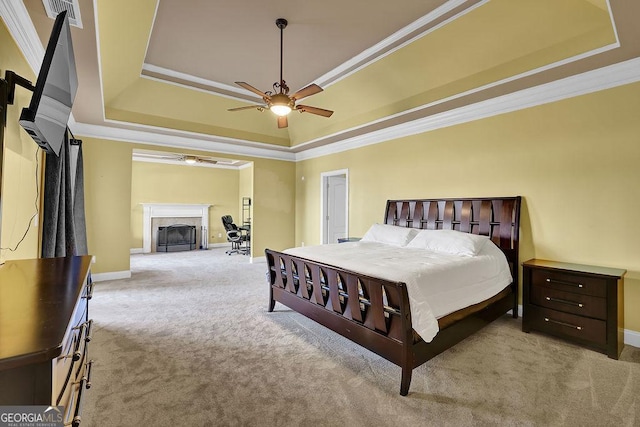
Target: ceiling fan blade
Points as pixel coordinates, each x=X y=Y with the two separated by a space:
x=282 y=122
x=250 y=88
x=248 y=107
x=314 y=110
x=312 y=89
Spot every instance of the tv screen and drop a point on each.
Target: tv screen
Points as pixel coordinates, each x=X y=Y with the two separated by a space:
x=48 y=113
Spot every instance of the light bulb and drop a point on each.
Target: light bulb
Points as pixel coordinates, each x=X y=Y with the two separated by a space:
x=190 y=160
x=280 y=110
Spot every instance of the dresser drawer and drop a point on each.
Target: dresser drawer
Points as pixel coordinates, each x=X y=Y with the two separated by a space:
x=569 y=282
x=569 y=302
x=569 y=325
x=74 y=348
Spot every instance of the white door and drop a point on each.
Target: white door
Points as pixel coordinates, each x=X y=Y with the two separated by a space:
x=336 y=219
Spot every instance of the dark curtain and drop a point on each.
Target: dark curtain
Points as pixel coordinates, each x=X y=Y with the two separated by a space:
x=64 y=230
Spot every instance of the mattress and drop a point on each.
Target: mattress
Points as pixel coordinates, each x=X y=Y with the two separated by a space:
x=437 y=283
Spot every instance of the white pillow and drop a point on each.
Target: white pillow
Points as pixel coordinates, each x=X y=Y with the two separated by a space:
x=449 y=241
x=390 y=234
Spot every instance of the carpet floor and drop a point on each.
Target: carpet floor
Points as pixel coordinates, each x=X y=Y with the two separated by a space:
x=188 y=341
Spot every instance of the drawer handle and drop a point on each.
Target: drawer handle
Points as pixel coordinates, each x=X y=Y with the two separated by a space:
x=564 y=301
x=561 y=282
x=75 y=421
x=89 y=293
x=75 y=356
x=87 y=336
x=579 y=328
x=89 y=365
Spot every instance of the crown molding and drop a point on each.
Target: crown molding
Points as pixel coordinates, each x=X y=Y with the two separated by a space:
x=592 y=81
x=15 y=16
x=183 y=140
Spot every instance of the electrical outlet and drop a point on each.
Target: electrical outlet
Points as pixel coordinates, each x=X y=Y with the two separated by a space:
x=219 y=235
x=302 y=244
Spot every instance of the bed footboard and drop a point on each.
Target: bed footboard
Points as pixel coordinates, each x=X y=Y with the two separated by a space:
x=369 y=311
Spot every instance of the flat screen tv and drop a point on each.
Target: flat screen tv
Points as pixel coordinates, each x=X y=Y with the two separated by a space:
x=48 y=113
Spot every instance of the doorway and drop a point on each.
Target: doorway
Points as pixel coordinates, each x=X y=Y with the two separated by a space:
x=334 y=195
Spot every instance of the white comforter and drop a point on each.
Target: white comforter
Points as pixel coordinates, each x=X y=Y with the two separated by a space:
x=437 y=283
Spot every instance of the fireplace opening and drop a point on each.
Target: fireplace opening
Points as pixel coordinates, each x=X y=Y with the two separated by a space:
x=177 y=237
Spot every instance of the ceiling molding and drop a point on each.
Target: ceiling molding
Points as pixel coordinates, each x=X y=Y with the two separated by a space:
x=180 y=139
x=19 y=23
x=592 y=81
x=417 y=29
x=189 y=81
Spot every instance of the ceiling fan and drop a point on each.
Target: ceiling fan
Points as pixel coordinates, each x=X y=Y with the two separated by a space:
x=177 y=157
x=279 y=101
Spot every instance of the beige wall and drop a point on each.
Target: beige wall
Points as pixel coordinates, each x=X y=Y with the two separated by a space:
x=22 y=166
x=164 y=183
x=575 y=162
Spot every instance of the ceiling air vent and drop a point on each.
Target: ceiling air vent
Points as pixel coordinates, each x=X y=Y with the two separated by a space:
x=54 y=7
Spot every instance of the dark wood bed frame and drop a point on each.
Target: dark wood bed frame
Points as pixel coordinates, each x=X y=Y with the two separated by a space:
x=374 y=312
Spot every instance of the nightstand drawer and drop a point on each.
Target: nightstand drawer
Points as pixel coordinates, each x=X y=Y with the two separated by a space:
x=569 y=302
x=569 y=282
x=565 y=324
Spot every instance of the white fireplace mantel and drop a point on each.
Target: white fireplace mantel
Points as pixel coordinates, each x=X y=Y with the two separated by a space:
x=173 y=210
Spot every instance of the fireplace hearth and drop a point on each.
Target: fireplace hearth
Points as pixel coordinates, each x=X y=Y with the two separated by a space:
x=175 y=238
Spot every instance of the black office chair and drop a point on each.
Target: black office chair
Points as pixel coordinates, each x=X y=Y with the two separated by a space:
x=235 y=237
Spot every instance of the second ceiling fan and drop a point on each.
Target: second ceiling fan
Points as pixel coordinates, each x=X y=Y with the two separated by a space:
x=279 y=101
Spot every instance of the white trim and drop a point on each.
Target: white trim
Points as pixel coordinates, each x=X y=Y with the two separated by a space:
x=592 y=81
x=240 y=94
x=258 y=260
x=112 y=275
x=99 y=56
x=134 y=251
x=389 y=45
x=632 y=338
x=323 y=205
x=15 y=16
x=179 y=139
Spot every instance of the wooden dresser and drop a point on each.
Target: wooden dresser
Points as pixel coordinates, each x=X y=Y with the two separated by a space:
x=580 y=303
x=45 y=332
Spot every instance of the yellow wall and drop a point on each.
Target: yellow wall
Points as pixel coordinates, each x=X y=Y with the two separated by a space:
x=575 y=162
x=164 y=183
x=273 y=206
x=115 y=185
x=22 y=166
x=107 y=193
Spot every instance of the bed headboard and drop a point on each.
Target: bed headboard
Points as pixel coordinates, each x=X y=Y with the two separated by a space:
x=496 y=217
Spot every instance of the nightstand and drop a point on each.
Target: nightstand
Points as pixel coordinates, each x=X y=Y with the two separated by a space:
x=579 y=303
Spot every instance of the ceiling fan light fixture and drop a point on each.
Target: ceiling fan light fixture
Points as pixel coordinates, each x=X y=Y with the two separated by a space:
x=190 y=160
x=280 y=104
x=280 y=110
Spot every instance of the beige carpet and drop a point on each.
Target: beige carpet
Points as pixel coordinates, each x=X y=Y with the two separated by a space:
x=188 y=341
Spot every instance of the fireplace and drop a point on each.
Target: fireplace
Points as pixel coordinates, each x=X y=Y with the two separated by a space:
x=157 y=215
x=177 y=237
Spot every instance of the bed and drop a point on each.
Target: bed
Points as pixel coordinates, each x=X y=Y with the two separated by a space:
x=374 y=310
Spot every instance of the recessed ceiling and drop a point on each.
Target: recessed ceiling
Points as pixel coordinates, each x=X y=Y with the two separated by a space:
x=168 y=67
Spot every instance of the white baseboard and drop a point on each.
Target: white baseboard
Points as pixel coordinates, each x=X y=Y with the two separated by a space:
x=632 y=338
x=258 y=260
x=136 y=251
x=112 y=275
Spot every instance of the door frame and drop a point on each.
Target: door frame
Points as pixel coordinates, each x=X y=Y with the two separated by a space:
x=324 y=180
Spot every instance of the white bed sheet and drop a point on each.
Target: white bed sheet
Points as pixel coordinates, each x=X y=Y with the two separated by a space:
x=437 y=283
